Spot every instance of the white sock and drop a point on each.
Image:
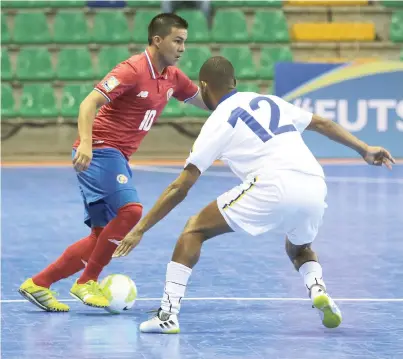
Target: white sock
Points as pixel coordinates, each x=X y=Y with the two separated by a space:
x=311 y=272
x=175 y=286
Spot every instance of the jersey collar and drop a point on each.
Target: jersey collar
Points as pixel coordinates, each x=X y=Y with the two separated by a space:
x=228 y=95
x=154 y=72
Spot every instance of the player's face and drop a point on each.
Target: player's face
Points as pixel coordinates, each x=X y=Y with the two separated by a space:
x=205 y=92
x=173 y=46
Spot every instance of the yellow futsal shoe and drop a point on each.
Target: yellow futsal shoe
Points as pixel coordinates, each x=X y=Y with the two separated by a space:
x=42 y=297
x=90 y=294
x=328 y=310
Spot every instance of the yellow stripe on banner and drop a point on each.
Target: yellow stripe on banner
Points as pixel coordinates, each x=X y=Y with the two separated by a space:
x=344 y=73
x=252 y=184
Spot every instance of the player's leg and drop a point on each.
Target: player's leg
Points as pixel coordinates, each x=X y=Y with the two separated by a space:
x=207 y=224
x=73 y=259
x=303 y=227
x=306 y=263
x=115 y=205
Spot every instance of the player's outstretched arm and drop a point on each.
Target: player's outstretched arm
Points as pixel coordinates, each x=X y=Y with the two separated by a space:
x=88 y=110
x=198 y=102
x=174 y=194
x=372 y=154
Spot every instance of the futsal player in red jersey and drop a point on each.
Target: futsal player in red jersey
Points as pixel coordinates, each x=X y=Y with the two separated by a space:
x=130 y=99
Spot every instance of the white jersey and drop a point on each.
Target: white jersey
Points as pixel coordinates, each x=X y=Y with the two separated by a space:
x=255 y=134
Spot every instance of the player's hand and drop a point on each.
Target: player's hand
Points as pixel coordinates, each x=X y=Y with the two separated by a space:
x=127 y=244
x=83 y=157
x=378 y=156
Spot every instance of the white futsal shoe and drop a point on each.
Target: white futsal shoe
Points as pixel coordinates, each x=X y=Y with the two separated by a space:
x=161 y=323
x=328 y=310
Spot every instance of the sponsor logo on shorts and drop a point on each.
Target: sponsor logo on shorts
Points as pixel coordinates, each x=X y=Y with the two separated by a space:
x=169 y=93
x=110 y=83
x=122 y=179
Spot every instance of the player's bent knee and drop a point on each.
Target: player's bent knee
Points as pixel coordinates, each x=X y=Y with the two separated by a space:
x=193 y=226
x=294 y=250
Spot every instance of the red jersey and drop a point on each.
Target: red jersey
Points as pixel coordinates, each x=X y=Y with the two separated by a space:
x=137 y=95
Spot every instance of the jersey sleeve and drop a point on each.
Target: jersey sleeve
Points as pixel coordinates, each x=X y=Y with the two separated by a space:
x=185 y=89
x=300 y=117
x=211 y=143
x=116 y=82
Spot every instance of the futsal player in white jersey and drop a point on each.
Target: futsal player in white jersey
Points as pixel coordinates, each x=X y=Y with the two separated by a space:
x=283 y=187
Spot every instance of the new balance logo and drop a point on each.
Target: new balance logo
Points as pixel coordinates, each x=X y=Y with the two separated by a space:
x=143 y=94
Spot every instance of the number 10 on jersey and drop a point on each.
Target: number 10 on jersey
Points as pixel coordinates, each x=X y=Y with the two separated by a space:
x=147 y=122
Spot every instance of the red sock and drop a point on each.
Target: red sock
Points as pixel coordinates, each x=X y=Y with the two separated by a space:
x=70 y=262
x=116 y=230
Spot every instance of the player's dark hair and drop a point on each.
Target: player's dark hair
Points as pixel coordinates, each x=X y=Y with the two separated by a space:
x=162 y=24
x=218 y=72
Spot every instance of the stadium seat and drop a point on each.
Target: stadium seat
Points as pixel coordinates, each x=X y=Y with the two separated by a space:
x=229 y=26
x=269 y=57
x=38 y=100
x=5 y=35
x=173 y=109
x=31 y=28
x=326 y=2
x=396 y=27
x=192 y=59
x=141 y=21
x=247 y=87
x=198 y=30
x=7 y=101
x=74 y=64
x=242 y=60
x=264 y=3
x=109 y=57
x=72 y=97
x=71 y=27
x=34 y=64
x=6 y=69
x=25 y=4
x=142 y=3
x=392 y=3
x=68 y=3
x=333 y=32
x=270 y=26
x=228 y=3
x=110 y=27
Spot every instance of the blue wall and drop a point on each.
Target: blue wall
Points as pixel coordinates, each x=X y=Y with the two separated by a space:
x=366 y=99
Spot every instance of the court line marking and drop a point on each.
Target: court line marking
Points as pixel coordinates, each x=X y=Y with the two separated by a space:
x=330 y=179
x=64 y=164
x=262 y=299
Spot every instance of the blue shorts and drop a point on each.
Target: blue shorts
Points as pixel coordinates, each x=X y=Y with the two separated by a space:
x=106 y=186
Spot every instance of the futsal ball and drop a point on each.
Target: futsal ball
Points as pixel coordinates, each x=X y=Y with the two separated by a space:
x=121 y=292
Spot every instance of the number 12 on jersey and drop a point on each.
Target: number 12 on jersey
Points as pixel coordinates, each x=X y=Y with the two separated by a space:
x=255 y=126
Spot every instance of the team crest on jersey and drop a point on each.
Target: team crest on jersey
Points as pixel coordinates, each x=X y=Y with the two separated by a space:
x=110 y=83
x=169 y=93
x=122 y=179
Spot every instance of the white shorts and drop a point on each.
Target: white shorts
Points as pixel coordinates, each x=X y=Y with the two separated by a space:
x=286 y=202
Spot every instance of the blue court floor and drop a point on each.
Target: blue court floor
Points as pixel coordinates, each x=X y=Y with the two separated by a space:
x=244 y=299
